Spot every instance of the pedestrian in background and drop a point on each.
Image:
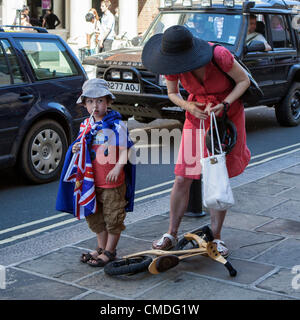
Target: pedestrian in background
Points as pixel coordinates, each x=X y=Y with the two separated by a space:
x=50 y=20
x=186 y=59
x=91 y=33
x=95 y=13
x=96 y=27
x=117 y=21
x=107 y=27
x=25 y=19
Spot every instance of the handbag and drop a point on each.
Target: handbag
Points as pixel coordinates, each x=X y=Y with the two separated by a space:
x=216 y=189
x=254 y=93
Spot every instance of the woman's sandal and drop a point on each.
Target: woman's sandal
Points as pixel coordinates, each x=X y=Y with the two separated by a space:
x=166 y=242
x=221 y=247
x=85 y=257
x=98 y=262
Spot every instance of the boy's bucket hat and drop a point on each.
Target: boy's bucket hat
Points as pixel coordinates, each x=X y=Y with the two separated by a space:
x=95 y=88
x=175 y=51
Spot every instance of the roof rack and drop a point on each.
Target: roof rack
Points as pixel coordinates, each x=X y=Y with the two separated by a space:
x=38 y=29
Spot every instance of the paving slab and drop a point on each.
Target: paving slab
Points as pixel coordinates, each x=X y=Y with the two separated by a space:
x=97 y=296
x=289 y=228
x=63 y=264
x=25 y=286
x=266 y=189
x=191 y=287
x=124 y=286
x=244 y=221
x=285 y=254
x=293 y=170
x=253 y=203
x=282 y=282
x=247 y=244
x=289 y=209
x=154 y=227
x=247 y=272
x=282 y=178
x=293 y=193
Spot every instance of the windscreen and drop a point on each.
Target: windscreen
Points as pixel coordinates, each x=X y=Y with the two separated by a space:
x=214 y=27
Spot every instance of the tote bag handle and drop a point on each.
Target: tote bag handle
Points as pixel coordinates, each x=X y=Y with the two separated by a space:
x=202 y=129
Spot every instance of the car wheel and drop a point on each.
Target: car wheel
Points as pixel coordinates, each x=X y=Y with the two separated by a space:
x=288 y=111
x=43 y=152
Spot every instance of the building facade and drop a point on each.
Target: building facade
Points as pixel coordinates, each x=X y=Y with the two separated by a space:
x=134 y=15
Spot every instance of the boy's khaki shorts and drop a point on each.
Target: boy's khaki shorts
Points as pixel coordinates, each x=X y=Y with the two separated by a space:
x=110 y=214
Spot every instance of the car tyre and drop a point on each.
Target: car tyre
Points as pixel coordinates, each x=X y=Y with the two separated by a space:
x=43 y=152
x=288 y=111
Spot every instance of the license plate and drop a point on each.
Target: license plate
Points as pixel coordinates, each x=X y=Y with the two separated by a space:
x=124 y=87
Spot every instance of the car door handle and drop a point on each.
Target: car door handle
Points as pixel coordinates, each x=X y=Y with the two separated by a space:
x=25 y=97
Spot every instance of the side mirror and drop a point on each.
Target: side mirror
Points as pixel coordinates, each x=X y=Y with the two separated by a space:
x=255 y=46
x=136 y=40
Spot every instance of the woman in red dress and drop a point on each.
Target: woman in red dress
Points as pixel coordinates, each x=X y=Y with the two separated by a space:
x=181 y=57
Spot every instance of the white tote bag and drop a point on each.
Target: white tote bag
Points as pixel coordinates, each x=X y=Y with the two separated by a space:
x=216 y=190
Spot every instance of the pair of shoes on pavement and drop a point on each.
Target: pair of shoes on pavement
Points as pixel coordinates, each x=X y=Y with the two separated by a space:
x=167 y=242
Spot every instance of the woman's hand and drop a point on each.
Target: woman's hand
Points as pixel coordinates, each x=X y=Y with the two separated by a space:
x=217 y=109
x=76 y=147
x=193 y=108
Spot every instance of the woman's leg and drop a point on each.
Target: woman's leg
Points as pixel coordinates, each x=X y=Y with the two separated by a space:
x=179 y=202
x=217 y=218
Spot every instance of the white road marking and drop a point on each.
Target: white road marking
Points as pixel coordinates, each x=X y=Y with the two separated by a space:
x=275 y=151
x=24 y=225
x=272 y=158
x=36 y=231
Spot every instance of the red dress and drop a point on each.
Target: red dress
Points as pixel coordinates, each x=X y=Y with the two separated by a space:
x=216 y=86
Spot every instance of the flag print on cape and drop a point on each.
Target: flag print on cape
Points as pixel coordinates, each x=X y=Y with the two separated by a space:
x=80 y=171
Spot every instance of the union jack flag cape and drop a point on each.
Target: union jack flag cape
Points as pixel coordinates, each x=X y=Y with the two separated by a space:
x=76 y=192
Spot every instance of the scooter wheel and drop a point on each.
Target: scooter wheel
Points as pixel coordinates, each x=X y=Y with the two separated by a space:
x=203 y=232
x=128 y=266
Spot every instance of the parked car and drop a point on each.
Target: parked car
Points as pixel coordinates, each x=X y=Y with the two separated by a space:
x=144 y=95
x=40 y=81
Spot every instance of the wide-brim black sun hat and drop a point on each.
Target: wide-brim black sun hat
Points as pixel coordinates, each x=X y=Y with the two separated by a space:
x=175 y=51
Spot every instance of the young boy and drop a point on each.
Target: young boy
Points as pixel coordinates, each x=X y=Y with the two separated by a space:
x=108 y=142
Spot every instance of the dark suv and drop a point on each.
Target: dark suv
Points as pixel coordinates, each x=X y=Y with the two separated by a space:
x=40 y=80
x=144 y=95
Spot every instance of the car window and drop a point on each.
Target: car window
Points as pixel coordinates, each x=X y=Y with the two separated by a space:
x=5 y=78
x=222 y=28
x=281 y=34
x=10 y=70
x=48 y=59
x=163 y=22
x=214 y=27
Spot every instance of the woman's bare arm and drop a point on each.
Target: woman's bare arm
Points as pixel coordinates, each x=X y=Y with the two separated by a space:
x=190 y=106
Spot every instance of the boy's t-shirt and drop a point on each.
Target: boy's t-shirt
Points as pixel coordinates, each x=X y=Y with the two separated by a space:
x=105 y=155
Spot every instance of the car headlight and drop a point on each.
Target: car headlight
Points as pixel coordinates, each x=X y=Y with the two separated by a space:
x=115 y=75
x=162 y=80
x=127 y=75
x=90 y=70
